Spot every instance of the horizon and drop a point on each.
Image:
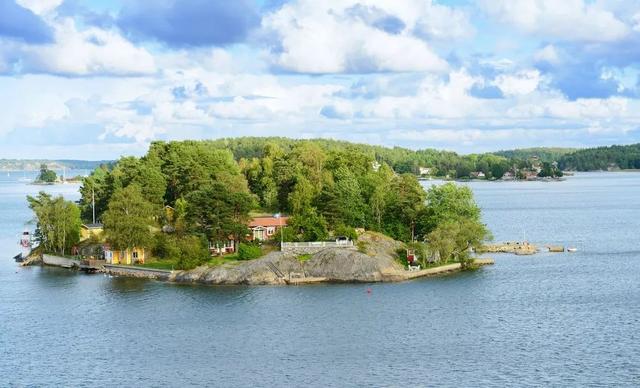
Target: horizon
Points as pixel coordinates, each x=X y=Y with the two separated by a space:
x=101 y=79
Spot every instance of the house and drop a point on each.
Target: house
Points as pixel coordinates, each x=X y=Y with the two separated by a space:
x=263 y=228
x=88 y=231
x=224 y=248
x=478 y=175
x=126 y=257
x=508 y=176
x=424 y=170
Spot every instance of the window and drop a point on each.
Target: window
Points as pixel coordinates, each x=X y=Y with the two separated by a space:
x=135 y=254
x=271 y=230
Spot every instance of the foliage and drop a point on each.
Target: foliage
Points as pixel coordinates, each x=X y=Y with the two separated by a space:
x=549 y=170
x=46 y=175
x=249 y=251
x=346 y=231
x=309 y=226
x=285 y=234
x=545 y=154
x=602 y=158
x=217 y=212
x=448 y=202
x=57 y=222
x=362 y=246
x=304 y=257
x=453 y=240
x=128 y=219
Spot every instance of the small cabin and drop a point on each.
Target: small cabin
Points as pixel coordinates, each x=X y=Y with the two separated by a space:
x=130 y=256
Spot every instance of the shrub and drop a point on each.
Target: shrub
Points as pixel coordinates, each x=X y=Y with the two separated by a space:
x=362 y=246
x=249 y=251
x=346 y=231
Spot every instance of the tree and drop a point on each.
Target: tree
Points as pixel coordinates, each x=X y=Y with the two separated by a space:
x=46 y=175
x=453 y=240
x=448 y=202
x=309 y=226
x=342 y=201
x=128 y=219
x=218 y=213
x=57 y=222
x=404 y=204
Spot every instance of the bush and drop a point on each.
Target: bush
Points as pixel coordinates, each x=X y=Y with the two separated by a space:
x=346 y=231
x=362 y=247
x=249 y=251
x=188 y=251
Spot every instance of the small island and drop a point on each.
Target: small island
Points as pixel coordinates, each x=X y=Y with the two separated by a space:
x=283 y=213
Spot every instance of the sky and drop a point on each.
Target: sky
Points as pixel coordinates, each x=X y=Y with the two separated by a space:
x=96 y=79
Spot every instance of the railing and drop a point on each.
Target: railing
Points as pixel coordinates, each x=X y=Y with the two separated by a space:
x=318 y=244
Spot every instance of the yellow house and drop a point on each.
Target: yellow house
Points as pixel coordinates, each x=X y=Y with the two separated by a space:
x=124 y=257
x=88 y=231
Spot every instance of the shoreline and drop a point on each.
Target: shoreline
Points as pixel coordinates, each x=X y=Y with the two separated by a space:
x=287 y=277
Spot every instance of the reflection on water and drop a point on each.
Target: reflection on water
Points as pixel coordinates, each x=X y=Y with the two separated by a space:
x=549 y=319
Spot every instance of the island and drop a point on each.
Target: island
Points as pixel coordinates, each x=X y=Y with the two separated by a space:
x=284 y=212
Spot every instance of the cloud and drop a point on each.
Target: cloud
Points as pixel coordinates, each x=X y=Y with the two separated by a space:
x=40 y=7
x=189 y=23
x=567 y=20
x=308 y=36
x=92 y=51
x=17 y=22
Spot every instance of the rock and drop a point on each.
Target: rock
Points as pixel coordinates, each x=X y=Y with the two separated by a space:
x=342 y=265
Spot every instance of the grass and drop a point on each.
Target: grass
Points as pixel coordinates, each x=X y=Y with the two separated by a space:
x=168 y=264
x=217 y=261
x=304 y=257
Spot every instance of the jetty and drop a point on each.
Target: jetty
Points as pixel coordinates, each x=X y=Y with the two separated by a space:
x=517 y=248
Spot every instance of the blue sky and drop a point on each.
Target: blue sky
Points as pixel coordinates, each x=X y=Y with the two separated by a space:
x=98 y=79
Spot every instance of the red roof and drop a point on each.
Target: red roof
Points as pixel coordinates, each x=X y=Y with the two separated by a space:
x=268 y=221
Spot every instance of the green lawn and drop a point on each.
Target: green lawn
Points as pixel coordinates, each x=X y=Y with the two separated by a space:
x=159 y=264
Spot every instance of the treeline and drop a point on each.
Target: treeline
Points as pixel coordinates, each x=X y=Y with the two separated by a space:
x=602 y=158
x=400 y=160
x=544 y=154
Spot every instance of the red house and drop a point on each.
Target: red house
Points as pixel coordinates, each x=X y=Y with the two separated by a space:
x=263 y=228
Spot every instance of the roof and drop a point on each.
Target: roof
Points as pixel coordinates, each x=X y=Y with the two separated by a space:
x=93 y=226
x=268 y=221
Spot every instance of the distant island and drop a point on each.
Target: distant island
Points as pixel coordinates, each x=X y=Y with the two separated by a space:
x=35 y=164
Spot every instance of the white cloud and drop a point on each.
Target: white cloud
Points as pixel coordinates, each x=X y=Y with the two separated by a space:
x=548 y=54
x=523 y=82
x=92 y=51
x=325 y=37
x=577 y=20
x=40 y=7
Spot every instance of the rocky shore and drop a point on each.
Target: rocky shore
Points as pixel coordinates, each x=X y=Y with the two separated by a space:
x=332 y=265
x=375 y=262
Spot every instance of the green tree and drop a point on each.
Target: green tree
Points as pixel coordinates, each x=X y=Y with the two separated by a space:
x=218 y=213
x=404 y=205
x=46 y=175
x=128 y=219
x=447 y=202
x=309 y=226
x=455 y=239
x=57 y=222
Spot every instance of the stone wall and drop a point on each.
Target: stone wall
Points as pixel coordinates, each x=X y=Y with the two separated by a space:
x=137 y=272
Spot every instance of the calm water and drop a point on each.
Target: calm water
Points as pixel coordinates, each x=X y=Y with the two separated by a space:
x=562 y=320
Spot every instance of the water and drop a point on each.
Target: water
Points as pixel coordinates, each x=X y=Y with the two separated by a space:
x=561 y=319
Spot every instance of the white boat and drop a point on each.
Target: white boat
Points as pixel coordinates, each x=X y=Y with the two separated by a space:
x=572 y=250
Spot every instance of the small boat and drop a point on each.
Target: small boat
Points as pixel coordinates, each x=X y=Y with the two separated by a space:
x=18 y=258
x=572 y=250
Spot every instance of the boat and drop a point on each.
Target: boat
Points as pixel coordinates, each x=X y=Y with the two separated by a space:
x=572 y=250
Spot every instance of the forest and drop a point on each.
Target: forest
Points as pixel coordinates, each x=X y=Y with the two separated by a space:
x=602 y=158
